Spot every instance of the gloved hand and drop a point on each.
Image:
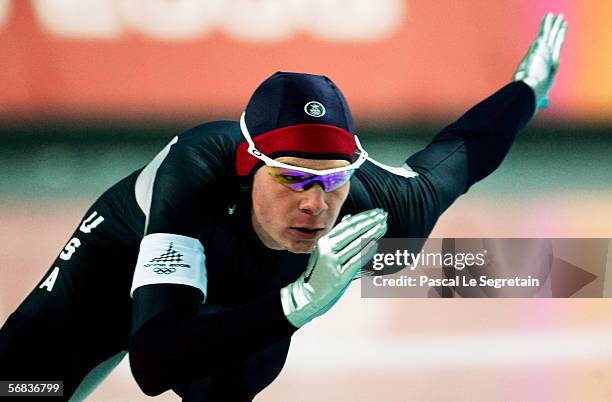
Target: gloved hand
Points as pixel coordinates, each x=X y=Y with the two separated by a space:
x=334 y=262
x=539 y=67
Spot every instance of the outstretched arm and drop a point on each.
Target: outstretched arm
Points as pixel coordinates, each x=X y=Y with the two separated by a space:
x=488 y=129
x=472 y=147
x=460 y=155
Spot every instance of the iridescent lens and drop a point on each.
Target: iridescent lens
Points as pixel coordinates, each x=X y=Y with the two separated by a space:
x=300 y=181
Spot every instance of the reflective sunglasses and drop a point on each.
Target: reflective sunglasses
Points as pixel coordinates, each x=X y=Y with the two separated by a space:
x=300 y=178
x=301 y=181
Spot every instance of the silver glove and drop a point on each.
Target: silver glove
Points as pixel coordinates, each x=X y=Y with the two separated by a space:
x=333 y=263
x=539 y=66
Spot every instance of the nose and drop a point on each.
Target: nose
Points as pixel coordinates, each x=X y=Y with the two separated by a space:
x=312 y=201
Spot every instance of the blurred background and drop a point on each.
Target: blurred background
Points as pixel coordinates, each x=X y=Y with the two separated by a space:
x=92 y=89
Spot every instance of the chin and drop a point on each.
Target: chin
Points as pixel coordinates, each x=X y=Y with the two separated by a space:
x=301 y=247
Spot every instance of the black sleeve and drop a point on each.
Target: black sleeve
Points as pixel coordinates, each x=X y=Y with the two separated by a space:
x=460 y=155
x=180 y=346
x=487 y=132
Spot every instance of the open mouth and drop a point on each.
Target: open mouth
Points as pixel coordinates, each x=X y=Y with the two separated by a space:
x=306 y=233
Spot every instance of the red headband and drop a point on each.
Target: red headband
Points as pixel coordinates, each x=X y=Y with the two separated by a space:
x=301 y=139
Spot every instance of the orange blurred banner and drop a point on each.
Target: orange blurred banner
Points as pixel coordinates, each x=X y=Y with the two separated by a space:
x=394 y=59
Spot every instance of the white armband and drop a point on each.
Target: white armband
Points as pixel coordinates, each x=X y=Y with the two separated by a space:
x=170 y=258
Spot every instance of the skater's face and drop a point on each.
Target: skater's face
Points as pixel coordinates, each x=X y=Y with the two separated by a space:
x=286 y=219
